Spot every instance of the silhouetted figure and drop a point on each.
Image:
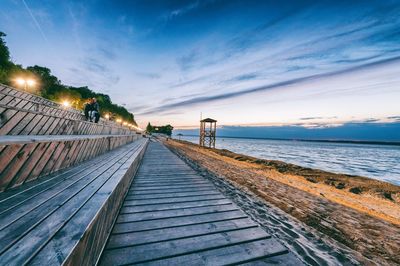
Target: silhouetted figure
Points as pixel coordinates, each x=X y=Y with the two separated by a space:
x=92 y=110
x=87 y=108
x=95 y=110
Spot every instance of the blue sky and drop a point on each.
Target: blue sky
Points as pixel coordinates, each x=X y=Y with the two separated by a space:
x=250 y=63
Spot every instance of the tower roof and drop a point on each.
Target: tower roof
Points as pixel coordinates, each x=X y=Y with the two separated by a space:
x=208 y=120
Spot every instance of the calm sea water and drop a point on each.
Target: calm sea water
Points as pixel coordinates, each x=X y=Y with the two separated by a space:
x=381 y=162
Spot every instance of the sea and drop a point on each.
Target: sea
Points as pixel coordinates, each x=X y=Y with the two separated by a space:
x=376 y=161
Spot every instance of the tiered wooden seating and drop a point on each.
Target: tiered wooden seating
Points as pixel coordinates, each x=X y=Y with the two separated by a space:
x=22 y=113
x=66 y=218
x=59 y=196
x=38 y=137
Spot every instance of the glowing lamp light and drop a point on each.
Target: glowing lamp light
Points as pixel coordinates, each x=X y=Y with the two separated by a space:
x=119 y=120
x=20 y=81
x=124 y=123
x=107 y=116
x=66 y=104
x=25 y=83
x=30 y=82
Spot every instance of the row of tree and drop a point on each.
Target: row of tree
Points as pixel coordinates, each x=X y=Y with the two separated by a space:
x=50 y=87
x=167 y=130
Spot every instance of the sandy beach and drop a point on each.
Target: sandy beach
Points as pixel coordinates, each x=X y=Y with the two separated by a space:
x=325 y=218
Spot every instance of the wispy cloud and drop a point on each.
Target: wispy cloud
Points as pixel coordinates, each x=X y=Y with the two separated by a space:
x=35 y=21
x=182 y=10
x=172 y=56
x=204 y=99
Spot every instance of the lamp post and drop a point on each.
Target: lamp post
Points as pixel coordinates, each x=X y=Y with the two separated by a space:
x=66 y=104
x=25 y=83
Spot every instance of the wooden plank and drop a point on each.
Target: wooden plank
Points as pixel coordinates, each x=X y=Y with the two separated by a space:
x=172 y=222
x=13 y=117
x=171 y=206
x=144 y=180
x=146 y=237
x=172 y=195
x=8 y=174
x=174 y=187
x=176 y=213
x=167 y=191
x=56 y=124
x=22 y=124
x=72 y=154
x=30 y=163
x=235 y=255
x=39 y=125
x=53 y=159
x=43 y=160
x=181 y=182
x=287 y=259
x=28 y=129
x=6 y=157
x=147 y=252
x=61 y=158
x=171 y=200
x=46 y=125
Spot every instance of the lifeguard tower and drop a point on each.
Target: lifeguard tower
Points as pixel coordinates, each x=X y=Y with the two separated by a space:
x=208 y=128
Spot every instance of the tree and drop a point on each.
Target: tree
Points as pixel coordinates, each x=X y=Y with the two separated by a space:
x=5 y=61
x=167 y=130
x=50 y=87
x=149 y=128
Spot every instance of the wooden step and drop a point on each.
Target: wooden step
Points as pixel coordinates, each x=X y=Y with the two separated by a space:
x=25 y=158
x=66 y=219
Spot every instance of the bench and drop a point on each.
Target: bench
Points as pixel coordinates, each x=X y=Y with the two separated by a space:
x=66 y=218
x=26 y=157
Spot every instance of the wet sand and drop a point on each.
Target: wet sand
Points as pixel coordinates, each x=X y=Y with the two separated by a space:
x=324 y=218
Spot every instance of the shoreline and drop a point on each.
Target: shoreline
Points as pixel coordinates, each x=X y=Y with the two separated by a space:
x=360 y=213
x=361 y=142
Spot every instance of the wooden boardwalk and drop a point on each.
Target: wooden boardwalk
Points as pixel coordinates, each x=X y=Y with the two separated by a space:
x=173 y=216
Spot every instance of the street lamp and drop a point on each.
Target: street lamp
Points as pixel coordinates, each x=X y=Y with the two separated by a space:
x=66 y=104
x=25 y=83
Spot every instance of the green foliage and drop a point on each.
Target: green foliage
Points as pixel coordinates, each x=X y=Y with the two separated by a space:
x=4 y=52
x=50 y=87
x=159 y=129
x=149 y=128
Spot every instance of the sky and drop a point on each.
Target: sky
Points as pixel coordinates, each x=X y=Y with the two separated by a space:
x=257 y=64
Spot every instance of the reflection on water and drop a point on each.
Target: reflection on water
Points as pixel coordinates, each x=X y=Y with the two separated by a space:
x=381 y=162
